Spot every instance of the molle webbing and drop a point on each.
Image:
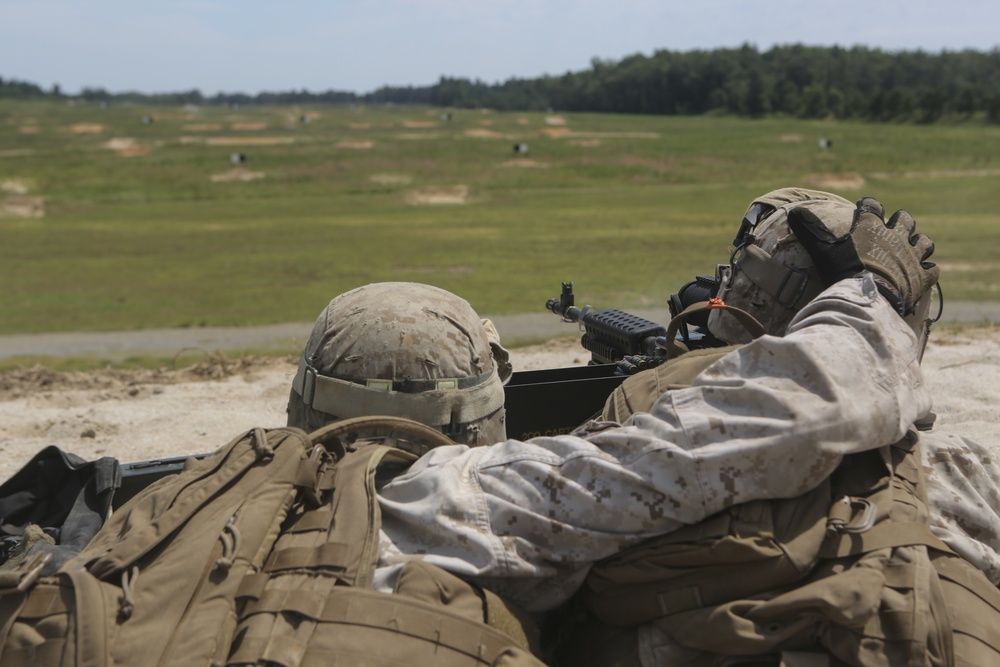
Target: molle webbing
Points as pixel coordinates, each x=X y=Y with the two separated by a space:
x=312 y=603
x=881 y=537
x=791 y=288
x=160 y=581
x=341 y=543
x=973 y=608
x=448 y=402
x=863 y=587
x=373 y=628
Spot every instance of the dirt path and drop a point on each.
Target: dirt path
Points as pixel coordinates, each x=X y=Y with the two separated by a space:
x=118 y=345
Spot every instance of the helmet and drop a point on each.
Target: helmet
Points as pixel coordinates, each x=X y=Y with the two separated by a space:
x=770 y=274
x=405 y=350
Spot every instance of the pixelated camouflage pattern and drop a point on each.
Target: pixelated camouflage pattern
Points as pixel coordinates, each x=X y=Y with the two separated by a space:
x=772 y=419
x=963 y=491
x=400 y=330
x=774 y=236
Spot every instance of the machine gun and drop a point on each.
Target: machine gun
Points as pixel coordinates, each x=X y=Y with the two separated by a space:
x=610 y=334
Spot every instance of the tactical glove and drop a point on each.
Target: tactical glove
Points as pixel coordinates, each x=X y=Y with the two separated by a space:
x=892 y=250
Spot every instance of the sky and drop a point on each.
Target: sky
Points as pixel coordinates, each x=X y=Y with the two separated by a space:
x=251 y=46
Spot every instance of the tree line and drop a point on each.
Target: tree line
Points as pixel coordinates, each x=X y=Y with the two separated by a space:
x=792 y=80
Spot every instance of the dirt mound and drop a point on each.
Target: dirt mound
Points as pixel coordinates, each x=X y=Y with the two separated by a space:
x=237 y=174
x=126 y=147
x=419 y=123
x=87 y=128
x=14 y=186
x=202 y=127
x=480 y=133
x=454 y=194
x=35 y=381
x=22 y=207
x=249 y=126
x=364 y=145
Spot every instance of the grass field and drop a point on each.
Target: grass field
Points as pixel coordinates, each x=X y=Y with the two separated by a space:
x=108 y=223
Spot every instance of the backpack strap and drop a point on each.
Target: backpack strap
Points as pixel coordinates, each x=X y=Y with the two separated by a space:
x=350 y=549
x=674 y=349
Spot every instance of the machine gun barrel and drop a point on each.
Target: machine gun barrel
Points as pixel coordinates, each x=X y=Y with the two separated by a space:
x=609 y=334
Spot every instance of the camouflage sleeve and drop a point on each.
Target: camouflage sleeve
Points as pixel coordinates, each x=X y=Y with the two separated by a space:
x=772 y=419
x=963 y=492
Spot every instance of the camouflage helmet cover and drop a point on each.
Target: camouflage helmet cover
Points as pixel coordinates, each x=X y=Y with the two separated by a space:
x=771 y=275
x=408 y=350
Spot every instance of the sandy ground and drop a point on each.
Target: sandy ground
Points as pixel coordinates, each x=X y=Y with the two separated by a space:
x=145 y=415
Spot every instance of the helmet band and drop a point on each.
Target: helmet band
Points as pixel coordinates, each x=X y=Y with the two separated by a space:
x=444 y=404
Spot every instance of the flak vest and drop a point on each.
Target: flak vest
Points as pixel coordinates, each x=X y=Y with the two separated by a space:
x=846 y=574
x=262 y=553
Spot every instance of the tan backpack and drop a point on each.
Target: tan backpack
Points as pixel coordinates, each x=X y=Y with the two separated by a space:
x=313 y=604
x=263 y=552
x=158 y=584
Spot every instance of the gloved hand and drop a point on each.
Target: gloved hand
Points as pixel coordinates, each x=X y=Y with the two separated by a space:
x=892 y=250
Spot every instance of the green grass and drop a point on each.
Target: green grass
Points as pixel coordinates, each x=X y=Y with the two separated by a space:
x=627 y=207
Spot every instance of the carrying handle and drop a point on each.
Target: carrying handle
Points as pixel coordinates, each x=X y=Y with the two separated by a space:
x=330 y=436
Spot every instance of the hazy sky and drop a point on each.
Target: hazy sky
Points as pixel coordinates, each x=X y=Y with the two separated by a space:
x=358 y=45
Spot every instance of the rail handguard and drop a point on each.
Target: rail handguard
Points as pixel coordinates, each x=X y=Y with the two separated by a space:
x=609 y=334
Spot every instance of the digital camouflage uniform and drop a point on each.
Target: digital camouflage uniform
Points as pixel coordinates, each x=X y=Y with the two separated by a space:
x=528 y=519
x=963 y=489
x=959 y=477
x=531 y=517
x=963 y=478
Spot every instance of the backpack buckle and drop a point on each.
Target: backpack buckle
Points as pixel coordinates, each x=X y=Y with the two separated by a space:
x=842 y=517
x=309 y=384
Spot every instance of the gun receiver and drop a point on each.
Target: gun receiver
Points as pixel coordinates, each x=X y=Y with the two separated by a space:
x=609 y=334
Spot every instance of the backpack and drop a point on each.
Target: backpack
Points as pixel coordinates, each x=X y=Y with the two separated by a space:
x=313 y=601
x=159 y=582
x=239 y=557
